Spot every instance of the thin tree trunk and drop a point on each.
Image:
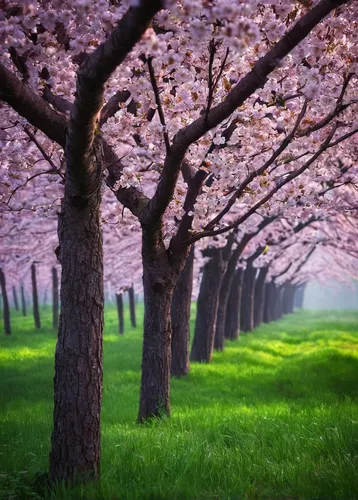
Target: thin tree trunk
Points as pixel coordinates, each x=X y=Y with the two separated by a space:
x=207 y=306
x=224 y=295
x=5 y=301
x=285 y=297
x=45 y=298
x=119 y=300
x=247 y=298
x=35 y=297
x=132 y=306
x=288 y=298
x=75 y=453
x=278 y=302
x=267 y=318
x=16 y=302
x=259 y=297
x=180 y=315
x=55 y=301
x=23 y=299
x=232 y=320
x=299 y=296
x=160 y=276
x=291 y=303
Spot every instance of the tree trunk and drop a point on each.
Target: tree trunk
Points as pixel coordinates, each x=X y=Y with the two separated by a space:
x=5 y=301
x=278 y=302
x=75 y=453
x=291 y=302
x=16 y=302
x=232 y=320
x=267 y=318
x=160 y=276
x=207 y=306
x=119 y=300
x=299 y=296
x=45 y=298
x=288 y=294
x=259 y=297
x=225 y=288
x=23 y=300
x=247 y=299
x=35 y=297
x=55 y=301
x=285 y=297
x=180 y=315
x=132 y=306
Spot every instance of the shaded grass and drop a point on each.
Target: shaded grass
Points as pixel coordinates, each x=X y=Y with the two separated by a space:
x=272 y=417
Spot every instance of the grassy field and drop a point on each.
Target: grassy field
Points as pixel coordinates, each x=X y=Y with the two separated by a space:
x=274 y=416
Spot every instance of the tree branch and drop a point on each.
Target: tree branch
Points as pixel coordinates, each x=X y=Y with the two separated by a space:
x=91 y=79
x=153 y=81
x=31 y=106
x=255 y=79
x=339 y=108
x=324 y=146
x=287 y=140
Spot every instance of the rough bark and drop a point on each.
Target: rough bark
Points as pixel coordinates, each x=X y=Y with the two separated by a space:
x=207 y=306
x=119 y=300
x=232 y=320
x=35 y=297
x=259 y=297
x=55 y=299
x=180 y=315
x=247 y=298
x=132 y=306
x=5 y=302
x=16 y=302
x=75 y=453
x=23 y=300
x=160 y=276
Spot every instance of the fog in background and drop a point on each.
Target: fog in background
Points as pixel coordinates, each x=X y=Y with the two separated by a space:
x=331 y=296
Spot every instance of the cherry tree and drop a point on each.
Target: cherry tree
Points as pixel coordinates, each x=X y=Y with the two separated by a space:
x=191 y=101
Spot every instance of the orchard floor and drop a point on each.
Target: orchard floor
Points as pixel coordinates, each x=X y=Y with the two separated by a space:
x=274 y=416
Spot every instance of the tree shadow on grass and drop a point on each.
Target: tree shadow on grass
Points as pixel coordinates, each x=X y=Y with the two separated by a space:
x=320 y=377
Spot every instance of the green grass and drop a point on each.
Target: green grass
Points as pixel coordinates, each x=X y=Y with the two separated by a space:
x=274 y=416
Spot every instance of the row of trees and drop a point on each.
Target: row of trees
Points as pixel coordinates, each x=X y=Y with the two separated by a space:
x=219 y=121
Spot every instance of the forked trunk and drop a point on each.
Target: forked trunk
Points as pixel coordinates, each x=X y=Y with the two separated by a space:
x=16 y=302
x=23 y=299
x=5 y=303
x=247 y=299
x=207 y=306
x=35 y=297
x=160 y=276
x=180 y=316
x=55 y=301
x=132 y=306
x=75 y=453
x=119 y=300
x=259 y=297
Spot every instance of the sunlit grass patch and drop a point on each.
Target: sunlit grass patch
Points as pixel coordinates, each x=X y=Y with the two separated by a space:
x=272 y=417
